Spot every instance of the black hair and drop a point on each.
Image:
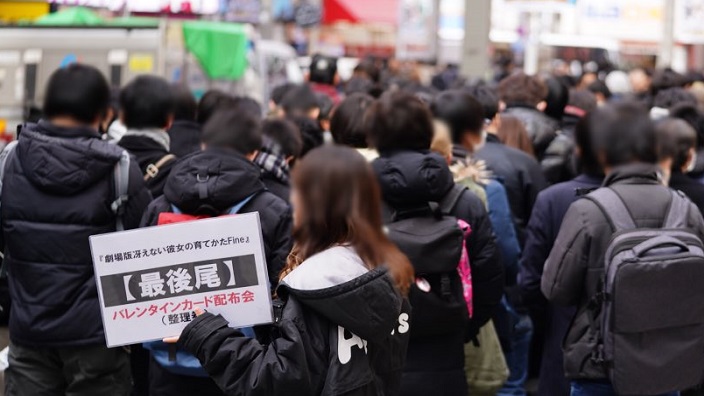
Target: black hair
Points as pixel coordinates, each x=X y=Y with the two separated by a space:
x=583 y=100
x=693 y=116
x=624 y=134
x=399 y=121
x=212 y=101
x=487 y=97
x=285 y=134
x=666 y=79
x=77 y=91
x=278 y=93
x=675 y=139
x=461 y=112
x=323 y=69
x=557 y=98
x=358 y=85
x=300 y=101
x=588 y=162
x=233 y=130
x=347 y=123
x=326 y=105
x=248 y=105
x=147 y=102
x=311 y=133
x=670 y=97
x=186 y=107
x=599 y=87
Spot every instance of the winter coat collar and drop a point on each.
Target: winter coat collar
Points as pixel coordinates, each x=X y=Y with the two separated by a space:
x=637 y=173
x=65 y=161
x=367 y=305
x=160 y=136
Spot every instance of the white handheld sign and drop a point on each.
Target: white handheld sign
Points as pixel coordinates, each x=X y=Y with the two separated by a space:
x=151 y=280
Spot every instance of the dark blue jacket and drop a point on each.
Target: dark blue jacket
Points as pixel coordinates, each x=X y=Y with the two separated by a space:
x=550 y=208
x=57 y=191
x=504 y=229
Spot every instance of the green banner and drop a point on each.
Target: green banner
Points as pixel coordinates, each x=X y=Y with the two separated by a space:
x=221 y=48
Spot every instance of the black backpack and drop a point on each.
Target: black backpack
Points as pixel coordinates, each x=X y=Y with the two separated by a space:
x=432 y=240
x=651 y=304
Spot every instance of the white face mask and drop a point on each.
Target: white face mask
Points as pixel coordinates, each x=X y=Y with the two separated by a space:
x=692 y=163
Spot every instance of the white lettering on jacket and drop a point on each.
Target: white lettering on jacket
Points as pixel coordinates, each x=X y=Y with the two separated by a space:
x=345 y=345
x=403 y=324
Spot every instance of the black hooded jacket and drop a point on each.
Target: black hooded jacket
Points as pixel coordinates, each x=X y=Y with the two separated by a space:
x=348 y=339
x=411 y=178
x=229 y=179
x=149 y=152
x=57 y=191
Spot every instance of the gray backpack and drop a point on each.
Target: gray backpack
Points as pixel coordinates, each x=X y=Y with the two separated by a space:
x=651 y=334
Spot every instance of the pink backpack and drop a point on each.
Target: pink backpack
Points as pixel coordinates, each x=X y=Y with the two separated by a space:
x=463 y=267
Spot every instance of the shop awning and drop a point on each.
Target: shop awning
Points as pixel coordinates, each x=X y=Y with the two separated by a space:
x=75 y=16
x=361 y=11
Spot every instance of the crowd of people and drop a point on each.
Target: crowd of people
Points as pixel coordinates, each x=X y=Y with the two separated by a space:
x=461 y=238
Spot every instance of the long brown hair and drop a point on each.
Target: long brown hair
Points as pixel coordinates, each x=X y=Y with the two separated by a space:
x=341 y=205
x=514 y=134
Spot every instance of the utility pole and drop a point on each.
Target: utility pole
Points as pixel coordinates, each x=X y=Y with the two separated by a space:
x=475 y=49
x=668 y=35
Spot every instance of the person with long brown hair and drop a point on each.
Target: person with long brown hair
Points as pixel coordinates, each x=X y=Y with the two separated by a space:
x=344 y=327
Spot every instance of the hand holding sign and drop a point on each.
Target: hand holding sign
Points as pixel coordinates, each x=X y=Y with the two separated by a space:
x=173 y=340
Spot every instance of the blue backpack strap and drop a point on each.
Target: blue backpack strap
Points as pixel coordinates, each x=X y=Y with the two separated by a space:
x=235 y=209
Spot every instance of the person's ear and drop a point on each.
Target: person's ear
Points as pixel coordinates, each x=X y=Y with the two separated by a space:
x=542 y=106
x=290 y=159
x=203 y=146
x=251 y=156
x=314 y=114
x=169 y=122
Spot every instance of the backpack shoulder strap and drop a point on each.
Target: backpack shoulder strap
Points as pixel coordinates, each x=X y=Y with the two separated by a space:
x=122 y=182
x=235 y=209
x=613 y=208
x=448 y=203
x=678 y=214
x=4 y=156
x=153 y=169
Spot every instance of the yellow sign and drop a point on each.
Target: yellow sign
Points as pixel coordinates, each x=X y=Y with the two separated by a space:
x=13 y=11
x=3 y=126
x=141 y=63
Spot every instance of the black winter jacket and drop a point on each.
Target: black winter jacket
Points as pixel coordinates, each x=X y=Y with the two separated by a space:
x=521 y=175
x=693 y=189
x=575 y=268
x=409 y=179
x=276 y=186
x=185 y=137
x=541 y=129
x=229 y=179
x=348 y=339
x=57 y=191
x=149 y=152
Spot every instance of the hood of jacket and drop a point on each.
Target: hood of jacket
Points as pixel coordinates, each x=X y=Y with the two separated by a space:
x=65 y=161
x=410 y=178
x=368 y=305
x=212 y=180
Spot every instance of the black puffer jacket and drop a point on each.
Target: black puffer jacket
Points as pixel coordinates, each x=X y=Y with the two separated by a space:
x=348 y=339
x=408 y=179
x=541 y=129
x=574 y=270
x=149 y=152
x=230 y=178
x=57 y=191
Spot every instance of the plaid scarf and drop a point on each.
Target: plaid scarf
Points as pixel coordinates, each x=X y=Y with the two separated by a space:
x=271 y=160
